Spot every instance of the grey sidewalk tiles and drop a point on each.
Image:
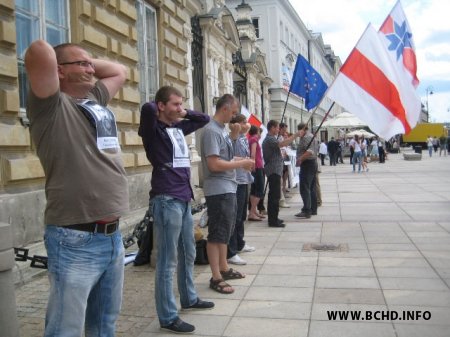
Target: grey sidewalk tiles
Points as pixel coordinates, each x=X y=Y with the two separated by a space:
x=356 y=296
x=420 y=298
x=265 y=327
x=287 y=294
x=395 y=220
x=414 y=330
x=350 y=329
x=350 y=282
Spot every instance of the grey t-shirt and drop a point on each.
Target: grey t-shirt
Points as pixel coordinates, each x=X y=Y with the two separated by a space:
x=83 y=183
x=273 y=161
x=216 y=141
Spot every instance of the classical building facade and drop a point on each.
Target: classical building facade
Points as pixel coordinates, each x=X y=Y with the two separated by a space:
x=282 y=36
x=194 y=45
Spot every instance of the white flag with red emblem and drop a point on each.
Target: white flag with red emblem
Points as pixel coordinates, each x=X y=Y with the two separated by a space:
x=375 y=84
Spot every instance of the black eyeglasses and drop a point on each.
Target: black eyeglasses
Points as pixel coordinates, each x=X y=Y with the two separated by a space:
x=84 y=64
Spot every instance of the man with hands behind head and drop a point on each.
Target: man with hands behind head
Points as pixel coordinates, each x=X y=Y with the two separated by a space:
x=86 y=186
x=164 y=123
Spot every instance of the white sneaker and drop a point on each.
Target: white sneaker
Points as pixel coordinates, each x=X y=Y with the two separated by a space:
x=284 y=204
x=236 y=260
x=247 y=249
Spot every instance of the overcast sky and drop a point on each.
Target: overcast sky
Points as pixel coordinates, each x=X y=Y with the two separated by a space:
x=342 y=23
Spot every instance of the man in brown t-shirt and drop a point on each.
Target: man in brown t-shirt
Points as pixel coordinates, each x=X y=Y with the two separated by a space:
x=75 y=135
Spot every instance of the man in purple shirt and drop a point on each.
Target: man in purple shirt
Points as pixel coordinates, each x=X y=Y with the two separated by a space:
x=164 y=123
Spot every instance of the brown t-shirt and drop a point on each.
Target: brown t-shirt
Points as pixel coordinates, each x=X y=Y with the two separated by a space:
x=83 y=183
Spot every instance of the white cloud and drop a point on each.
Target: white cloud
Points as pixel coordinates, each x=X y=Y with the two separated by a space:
x=342 y=23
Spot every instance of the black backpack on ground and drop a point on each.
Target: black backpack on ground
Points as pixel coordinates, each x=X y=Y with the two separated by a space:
x=201 y=256
x=145 y=240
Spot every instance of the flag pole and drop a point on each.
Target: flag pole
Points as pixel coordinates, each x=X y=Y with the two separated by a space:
x=318 y=128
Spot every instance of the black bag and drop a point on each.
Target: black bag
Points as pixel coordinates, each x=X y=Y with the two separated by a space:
x=201 y=256
x=145 y=240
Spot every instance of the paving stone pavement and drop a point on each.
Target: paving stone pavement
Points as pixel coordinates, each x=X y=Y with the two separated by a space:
x=395 y=220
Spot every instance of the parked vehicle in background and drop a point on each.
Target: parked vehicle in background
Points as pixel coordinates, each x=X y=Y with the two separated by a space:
x=418 y=136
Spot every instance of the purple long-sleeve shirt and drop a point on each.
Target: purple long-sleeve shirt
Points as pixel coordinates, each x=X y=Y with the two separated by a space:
x=167 y=179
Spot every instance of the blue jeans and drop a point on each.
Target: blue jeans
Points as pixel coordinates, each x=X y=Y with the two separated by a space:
x=357 y=157
x=172 y=221
x=85 y=271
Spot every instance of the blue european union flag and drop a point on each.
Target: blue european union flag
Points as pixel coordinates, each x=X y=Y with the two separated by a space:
x=307 y=83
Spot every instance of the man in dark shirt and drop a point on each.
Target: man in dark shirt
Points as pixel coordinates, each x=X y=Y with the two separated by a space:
x=162 y=123
x=307 y=160
x=273 y=167
x=333 y=147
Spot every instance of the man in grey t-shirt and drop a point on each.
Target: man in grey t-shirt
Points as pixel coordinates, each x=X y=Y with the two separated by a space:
x=219 y=187
x=85 y=185
x=273 y=169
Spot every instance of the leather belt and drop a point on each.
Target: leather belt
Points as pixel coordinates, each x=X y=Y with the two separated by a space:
x=95 y=227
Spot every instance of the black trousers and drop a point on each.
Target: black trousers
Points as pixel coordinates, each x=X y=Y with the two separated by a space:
x=308 y=190
x=381 y=154
x=273 y=198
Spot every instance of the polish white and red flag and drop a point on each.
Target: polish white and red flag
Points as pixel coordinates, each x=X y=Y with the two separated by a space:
x=253 y=120
x=374 y=83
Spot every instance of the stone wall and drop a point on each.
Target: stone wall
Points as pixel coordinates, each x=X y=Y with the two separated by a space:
x=107 y=29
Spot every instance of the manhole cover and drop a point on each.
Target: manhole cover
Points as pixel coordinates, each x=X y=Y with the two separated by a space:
x=325 y=247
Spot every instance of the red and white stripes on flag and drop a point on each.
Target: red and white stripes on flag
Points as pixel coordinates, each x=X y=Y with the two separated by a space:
x=253 y=120
x=374 y=85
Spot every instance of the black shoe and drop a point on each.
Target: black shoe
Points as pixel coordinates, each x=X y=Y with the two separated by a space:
x=314 y=213
x=280 y=221
x=303 y=215
x=279 y=224
x=178 y=326
x=200 y=304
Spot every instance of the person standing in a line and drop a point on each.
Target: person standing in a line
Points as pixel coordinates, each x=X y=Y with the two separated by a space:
x=257 y=187
x=239 y=128
x=164 y=123
x=219 y=187
x=273 y=167
x=85 y=185
x=307 y=161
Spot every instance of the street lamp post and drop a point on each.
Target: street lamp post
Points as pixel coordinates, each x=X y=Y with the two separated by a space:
x=429 y=91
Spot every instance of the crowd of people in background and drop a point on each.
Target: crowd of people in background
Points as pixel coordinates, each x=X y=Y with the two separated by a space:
x=441 y=143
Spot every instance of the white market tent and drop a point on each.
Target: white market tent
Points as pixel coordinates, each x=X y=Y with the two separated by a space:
x=361 y=132
x=344 y=120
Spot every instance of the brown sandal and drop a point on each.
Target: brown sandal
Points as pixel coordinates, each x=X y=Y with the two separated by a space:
x=219 y=286
x=231 y=274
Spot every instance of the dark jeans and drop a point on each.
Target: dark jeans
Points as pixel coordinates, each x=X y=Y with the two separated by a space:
x=381 y=154
x=308 y=186
x=237 y=236
x=273 y=198
x=333 y=158
x=322 y=158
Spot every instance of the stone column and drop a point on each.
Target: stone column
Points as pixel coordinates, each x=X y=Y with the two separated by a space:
x=8 y=311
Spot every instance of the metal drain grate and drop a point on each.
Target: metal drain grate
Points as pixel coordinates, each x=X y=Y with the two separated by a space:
x=325 y=247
